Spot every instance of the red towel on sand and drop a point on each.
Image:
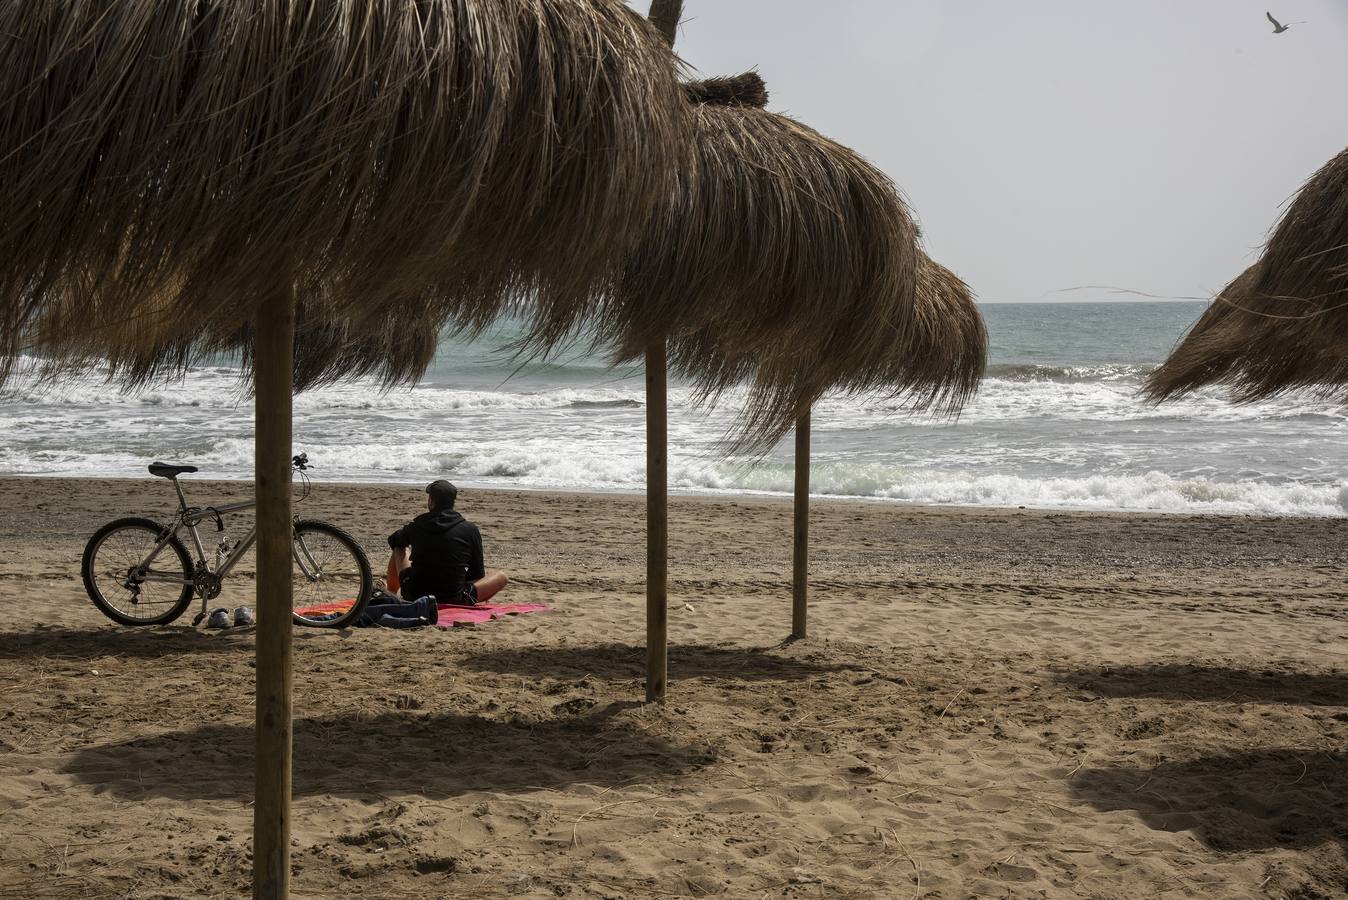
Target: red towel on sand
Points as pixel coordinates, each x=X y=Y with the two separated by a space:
x=450 y=615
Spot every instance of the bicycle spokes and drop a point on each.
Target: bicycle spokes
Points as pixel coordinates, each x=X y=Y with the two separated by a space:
x=329 y=578
x=131 y=571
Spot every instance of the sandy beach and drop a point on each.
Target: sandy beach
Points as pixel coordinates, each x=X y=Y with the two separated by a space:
x=992 y=703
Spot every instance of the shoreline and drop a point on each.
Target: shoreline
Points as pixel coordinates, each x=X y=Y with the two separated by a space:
x=710 y=494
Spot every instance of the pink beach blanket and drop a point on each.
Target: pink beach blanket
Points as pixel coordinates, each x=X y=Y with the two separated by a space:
x=451 y=616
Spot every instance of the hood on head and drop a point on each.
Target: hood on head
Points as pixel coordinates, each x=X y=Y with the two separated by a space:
x=440 y=519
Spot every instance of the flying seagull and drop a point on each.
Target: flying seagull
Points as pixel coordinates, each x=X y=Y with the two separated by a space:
x=1278 y=27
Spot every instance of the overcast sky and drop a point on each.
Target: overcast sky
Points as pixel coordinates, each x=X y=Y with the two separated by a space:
x=1048 y=144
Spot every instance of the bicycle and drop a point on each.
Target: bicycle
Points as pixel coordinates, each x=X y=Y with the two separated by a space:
x=139 y=572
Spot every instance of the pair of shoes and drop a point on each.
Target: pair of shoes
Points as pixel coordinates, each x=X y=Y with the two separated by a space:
x=220 y=618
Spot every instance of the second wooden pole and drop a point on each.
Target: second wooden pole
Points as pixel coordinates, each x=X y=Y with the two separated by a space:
x=800 y=542
x=664 y=15
x=657 y=521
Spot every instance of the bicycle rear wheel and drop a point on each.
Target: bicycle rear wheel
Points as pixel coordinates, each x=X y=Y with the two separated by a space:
x=124 y=586
x=332 y=579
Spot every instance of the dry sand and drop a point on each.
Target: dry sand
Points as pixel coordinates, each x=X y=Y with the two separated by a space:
x=991 y=703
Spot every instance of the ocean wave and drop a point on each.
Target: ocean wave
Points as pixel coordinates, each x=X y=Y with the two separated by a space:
x=1105 y=393
x=208 y=390
x=618 y=467
x=1152 y=491
x=605 y=404
x=1043 y=436
x=1112 y=372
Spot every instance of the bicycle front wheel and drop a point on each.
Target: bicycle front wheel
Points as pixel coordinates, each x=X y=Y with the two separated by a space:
x=332 y=580
x=136 y=573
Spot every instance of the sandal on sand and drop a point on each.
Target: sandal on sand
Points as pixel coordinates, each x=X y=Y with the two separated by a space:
x=243 y=616
x=219 y=618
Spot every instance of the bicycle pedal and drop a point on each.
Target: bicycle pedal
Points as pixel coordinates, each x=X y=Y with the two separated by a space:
x=196 y=620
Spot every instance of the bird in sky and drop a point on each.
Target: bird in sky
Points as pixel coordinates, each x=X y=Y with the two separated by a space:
x=1278 y=27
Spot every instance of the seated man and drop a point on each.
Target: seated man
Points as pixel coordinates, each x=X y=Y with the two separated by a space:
x=440 y=553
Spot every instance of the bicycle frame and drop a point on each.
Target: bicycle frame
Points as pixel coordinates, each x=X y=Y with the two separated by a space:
x=190 y=517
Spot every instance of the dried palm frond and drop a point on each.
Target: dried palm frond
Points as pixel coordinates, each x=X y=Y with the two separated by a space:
x=746 y=89
x=935 y=365
x=787 y=261
x=1283 y=324
x=164 y=167
x=1243 y=343
x=778 y=238
x=1306 y=258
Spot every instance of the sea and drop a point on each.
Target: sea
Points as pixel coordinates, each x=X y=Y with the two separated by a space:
x=1057 y=423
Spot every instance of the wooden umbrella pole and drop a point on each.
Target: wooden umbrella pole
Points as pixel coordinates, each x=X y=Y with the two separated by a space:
x=800 y=551
x=273 y=372
x=665 y=16
x=657 y=522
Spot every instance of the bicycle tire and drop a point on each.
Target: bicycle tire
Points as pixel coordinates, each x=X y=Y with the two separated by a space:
x=87 y=571
x=362 y=600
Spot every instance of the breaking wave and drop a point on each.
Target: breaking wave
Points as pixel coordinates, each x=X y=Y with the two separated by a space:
x=1038 y=434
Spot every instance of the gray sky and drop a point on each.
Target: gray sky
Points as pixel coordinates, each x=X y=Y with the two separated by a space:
x=1053 y=143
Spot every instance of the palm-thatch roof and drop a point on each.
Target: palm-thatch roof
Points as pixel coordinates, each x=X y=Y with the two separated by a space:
x=787 y=261
x=935 y=364
x=942 y=364
x=402 y=163
x=1211 y=352
x=1282 y=324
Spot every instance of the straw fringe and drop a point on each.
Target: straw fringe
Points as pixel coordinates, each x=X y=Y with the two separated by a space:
x=936 y=366
x=407 y=163
x=787 y=261
x=1283 y=324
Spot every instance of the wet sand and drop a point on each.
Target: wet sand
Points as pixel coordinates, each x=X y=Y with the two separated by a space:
x=991 y=703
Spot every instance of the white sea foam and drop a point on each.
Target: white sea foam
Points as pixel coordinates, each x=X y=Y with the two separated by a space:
x=618 y=468
x=1037 y=435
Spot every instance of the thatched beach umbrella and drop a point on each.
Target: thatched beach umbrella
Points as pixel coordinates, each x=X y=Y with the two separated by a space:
x=937 y=368
x=395 y=156
x=1283 y=324
x=935 y=364
x=177 y=178
x=778 y=237
x=787 y=261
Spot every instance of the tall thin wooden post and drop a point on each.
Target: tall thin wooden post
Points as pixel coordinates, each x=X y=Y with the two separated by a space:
x=665 y=16
x=800 y=550
x=657 y=522
x=273 y=371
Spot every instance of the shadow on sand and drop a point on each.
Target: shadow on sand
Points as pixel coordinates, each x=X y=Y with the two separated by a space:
x=1214 y=683
x=620 y=661
x=362 y=755
x=1251 y=801
x=52 y=642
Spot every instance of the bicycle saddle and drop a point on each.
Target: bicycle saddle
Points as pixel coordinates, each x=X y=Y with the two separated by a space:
x=165 y=470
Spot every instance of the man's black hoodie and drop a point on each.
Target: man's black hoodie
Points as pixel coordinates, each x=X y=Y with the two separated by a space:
x=446 y=552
